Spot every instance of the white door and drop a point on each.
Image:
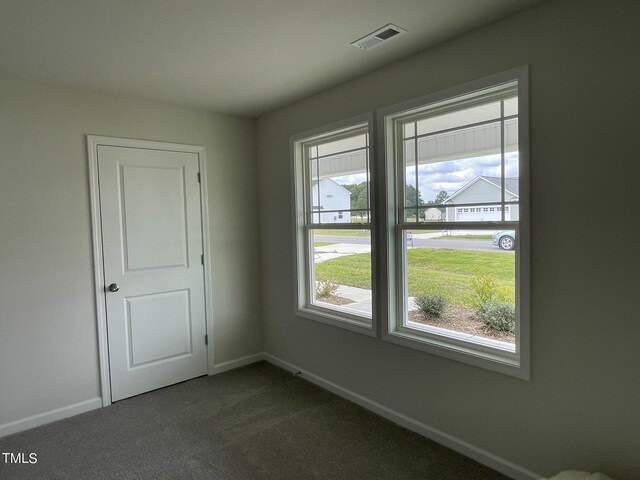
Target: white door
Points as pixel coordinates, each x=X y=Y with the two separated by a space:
x=153 y=273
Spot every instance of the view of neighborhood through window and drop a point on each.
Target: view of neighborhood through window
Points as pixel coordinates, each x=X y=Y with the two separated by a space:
x=339 y=222
x=458 y=214
x=453 y=221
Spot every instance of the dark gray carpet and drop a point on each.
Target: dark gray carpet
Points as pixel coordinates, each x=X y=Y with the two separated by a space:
x=256 y=422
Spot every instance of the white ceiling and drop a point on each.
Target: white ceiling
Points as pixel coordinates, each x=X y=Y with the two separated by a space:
x=237 y=56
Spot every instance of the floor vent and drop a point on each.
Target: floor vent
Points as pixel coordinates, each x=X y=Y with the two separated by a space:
x=381 y=35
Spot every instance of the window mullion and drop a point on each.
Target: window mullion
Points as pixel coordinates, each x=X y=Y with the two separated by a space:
x=503 y=181
x=308 y=175
x=318 y=183
x=368 y=180
x=415 y=158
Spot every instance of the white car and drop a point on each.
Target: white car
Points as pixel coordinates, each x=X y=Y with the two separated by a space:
x=505 y=239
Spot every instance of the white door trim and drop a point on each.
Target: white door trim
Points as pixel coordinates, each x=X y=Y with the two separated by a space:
x=93 y=141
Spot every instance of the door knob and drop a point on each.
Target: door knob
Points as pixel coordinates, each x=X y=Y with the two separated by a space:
x=113 y=287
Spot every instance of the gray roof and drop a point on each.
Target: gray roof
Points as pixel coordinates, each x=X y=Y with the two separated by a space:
x=510 y=183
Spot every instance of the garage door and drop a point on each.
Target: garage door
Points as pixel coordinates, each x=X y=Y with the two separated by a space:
x=481 y=214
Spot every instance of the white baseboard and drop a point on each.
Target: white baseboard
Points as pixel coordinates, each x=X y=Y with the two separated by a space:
x=488 y=459
x=499 y=464
x=50 y=416
x=237 y=363
x=87 y=405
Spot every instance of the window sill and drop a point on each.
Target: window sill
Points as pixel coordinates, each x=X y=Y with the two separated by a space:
x=463 y=338
x=480 y=352
x=338 y=318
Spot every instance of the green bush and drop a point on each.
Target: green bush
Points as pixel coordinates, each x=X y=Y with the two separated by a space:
x=499 y=316
x=431 y=305
x=485 y=290
x=506 y=294
x=326 y=288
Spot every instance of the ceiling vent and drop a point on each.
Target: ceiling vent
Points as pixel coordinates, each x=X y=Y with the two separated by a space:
x=381 y=35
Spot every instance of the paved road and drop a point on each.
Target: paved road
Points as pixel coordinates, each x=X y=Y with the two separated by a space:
x=477 y=245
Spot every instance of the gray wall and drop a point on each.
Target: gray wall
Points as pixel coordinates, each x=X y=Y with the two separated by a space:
x=48 y=336
x=580 y=409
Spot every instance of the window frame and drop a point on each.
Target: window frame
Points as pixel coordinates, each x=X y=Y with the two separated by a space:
x=303 y=264
x=480 y=353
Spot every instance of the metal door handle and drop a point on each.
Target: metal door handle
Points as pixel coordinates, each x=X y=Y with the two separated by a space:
x=113 y=287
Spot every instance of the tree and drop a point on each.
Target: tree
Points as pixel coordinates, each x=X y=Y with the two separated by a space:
x=358 y=197
x=441 y=197
x=410 y=194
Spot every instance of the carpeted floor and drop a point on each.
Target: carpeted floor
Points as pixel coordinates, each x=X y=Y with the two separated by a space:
x=257 y=422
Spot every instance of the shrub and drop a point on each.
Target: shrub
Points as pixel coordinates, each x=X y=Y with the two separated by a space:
x=326 y=288
x=431 y=305
x=506 y=294
x=499 y=316
x=485 y=290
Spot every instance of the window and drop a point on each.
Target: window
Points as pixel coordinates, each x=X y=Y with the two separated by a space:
x=333 y=225
x=453 y=239
x=463 y=295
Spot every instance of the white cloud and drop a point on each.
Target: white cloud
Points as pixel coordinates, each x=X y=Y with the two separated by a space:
x=449 y=175
x=452 y=175
x=350 y=179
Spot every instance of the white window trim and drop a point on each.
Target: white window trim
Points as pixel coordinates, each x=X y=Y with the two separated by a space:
x=481 y=353
x=302 y=265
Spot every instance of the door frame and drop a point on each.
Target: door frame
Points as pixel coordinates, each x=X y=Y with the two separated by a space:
x=93 y=142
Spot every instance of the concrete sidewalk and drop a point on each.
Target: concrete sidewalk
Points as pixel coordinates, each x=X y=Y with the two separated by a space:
x=361 y=298
x=336 y=250
x=447 y=233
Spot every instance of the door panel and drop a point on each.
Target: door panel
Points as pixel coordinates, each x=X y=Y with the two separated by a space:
x=166 y=318
x=152 y=243
x=154 y=208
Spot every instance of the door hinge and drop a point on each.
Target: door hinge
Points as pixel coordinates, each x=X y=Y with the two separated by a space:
x=202 y=259
x=206 y=339
x=199 y=179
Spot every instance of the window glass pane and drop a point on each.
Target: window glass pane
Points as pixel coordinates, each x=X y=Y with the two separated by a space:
x=412 y=197
x=360 y=216
x=512 y=170
x=340 y=184
x=465 y=142
x=459 y=118
x=511 y=106
x=313 y=199
x=460 y=167
x=512 y=212
x=409 y=129
x=511 y=149
x=511 y=135
x=342 y=145
x=461 y=283
x=341 y=276
x=446 y=188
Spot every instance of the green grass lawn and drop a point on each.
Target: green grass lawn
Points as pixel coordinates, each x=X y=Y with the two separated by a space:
x=447 y=272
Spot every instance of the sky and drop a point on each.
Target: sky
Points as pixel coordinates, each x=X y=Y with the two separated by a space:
x=449 y=175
